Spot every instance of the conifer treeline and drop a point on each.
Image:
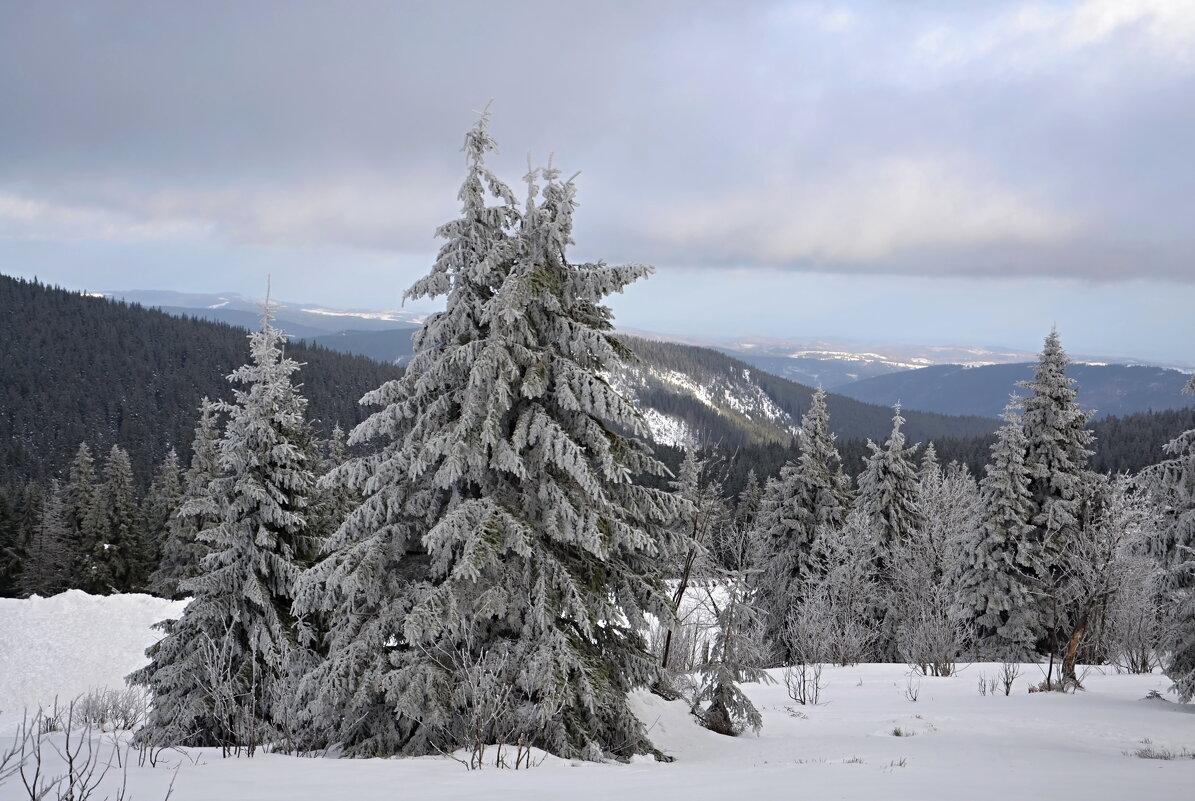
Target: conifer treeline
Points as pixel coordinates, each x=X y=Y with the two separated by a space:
x=85 y=369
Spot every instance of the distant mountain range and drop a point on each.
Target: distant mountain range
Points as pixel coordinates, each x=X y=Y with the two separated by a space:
x=297 y=319
x=1108 y=389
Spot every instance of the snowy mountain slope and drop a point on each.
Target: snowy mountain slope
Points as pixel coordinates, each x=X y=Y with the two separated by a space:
x=988 y=748
x=694 y=395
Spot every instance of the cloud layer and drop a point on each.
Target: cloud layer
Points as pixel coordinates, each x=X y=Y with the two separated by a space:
x=938 y=138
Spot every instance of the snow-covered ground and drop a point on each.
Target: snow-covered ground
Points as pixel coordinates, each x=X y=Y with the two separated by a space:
x=962 y=745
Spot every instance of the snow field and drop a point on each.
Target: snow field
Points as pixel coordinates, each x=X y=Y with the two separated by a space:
x=979 y=747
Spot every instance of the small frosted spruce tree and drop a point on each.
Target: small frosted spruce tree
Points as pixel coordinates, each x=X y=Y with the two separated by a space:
x=809 y=493
x=195 y=511
x=990 y=596
x=220 y=676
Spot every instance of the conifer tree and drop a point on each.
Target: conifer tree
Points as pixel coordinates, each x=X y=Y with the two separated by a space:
x=194 y=511
x=890 y=494
x=86 y=519
x=118 y=558
x=375 y=562
x=890 y=500
x=990 y=596
x=543 y=554
x=546 y=550
x=220 y=676
x=809 y=493
x=164 y=495
x=1173 y=485
x=46 y=566
x=1056 y=453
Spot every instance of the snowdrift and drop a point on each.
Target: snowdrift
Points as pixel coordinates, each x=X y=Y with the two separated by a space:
x=952 y=740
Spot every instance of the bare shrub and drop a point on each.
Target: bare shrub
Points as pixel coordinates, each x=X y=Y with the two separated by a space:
x=61 y=755
x=112 y=710
x=1009 y=671
x=808 y=638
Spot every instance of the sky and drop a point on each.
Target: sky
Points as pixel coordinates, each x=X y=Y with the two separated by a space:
x=906 y=172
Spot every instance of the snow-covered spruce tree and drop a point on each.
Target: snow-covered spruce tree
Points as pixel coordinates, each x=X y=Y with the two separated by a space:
x=1056 y=453
x=1173 y=485
x=809 y=493
x=734 y=658
x=890 y=493
x=990 y=597
x=545 y=549
x=86 y=518
x=890 y=499
x=376 y=565
x=45 y=569
x=220 y=675
x=182 y=552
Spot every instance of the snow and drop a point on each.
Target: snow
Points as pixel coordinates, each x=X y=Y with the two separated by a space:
x=668 y=430
x=71 y=643
x=981 y=747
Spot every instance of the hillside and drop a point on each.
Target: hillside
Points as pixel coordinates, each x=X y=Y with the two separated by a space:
x=78 y=368
x=392 y=346
x=695 y=395
x=1111 y=389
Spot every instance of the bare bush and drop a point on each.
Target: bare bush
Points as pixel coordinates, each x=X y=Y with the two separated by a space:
x=62 y=755
x=807 y=637
x=1009 y=671
x=489 y=710
x=112 y=710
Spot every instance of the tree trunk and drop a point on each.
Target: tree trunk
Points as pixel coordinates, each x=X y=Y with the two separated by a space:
x=1072 y=651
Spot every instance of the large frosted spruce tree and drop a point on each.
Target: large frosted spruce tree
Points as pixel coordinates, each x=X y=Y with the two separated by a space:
x=220 y=675
x=376 y=564
x=890 y=495
x=501 y=462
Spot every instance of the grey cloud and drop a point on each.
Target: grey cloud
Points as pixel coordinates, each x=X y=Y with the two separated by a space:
x=1055 y=142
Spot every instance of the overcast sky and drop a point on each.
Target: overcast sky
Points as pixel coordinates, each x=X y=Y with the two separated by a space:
x=931 y=172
